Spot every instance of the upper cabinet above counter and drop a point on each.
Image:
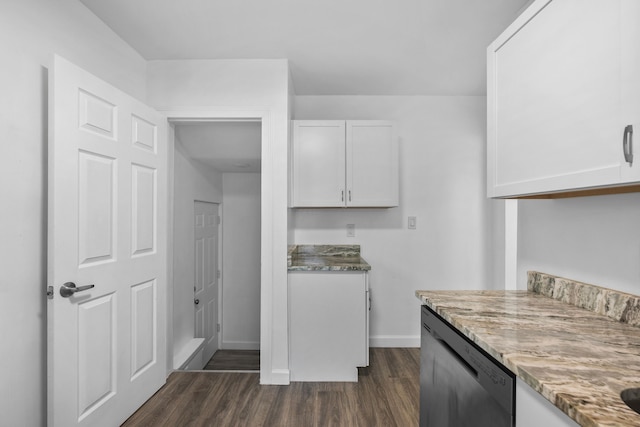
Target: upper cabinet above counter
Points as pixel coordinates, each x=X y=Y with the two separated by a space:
x=563 y=94
x=338 y=163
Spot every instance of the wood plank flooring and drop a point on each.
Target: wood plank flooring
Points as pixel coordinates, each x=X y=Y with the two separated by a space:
x=386 y=394
x=234 y=360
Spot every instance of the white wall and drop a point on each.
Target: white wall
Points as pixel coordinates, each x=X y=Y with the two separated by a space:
x=233 y=87
x=192 y=181
x=442 y=183
x=290 y=229
x=241 y=261
x=590 y=239
x=30 y=32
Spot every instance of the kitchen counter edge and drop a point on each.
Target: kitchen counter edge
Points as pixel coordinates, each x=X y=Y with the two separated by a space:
x=576 y=344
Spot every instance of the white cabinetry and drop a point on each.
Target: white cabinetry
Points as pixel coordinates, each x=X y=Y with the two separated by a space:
x=328 y=325
x=533 y=410
x=339 y=163
x=630 y=38
x=372 y=164
x=562 y=86
x=319 y=159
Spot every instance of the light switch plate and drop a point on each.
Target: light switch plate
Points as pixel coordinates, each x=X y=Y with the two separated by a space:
x=412 y=223
x=351 y=230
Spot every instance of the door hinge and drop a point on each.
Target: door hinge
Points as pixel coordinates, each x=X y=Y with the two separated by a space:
x=50 y=292
x=219 y=220
x=218 y=274
x=218 y=327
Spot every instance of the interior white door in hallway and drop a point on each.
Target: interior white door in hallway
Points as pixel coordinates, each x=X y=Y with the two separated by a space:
x=107 y=225
x=206 y=223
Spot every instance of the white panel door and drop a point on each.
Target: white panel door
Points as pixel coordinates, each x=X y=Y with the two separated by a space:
x=319 y=163
x=372 y=164
x=206 y=277
x=107 y=227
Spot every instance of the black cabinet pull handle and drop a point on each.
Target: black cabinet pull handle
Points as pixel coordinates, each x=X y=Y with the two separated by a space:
x=627 y=144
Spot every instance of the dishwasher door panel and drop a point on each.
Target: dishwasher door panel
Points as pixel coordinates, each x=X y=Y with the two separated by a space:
x=450 y=393
x=452 y=396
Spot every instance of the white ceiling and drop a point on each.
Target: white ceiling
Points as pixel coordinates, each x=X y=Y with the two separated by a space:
x=230 y=147
x=335 y=47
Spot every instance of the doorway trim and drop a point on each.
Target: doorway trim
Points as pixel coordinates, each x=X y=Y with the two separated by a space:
x=267 y=242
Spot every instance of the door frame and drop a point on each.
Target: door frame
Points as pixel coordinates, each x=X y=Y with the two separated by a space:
x=267 y=241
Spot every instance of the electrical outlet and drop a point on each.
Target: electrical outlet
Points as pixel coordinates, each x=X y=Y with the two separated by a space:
x=351 y=230
x=412 y=223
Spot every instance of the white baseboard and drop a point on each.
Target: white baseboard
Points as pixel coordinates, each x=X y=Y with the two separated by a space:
x=390 y=341
x=280 y=377
x=240 y=345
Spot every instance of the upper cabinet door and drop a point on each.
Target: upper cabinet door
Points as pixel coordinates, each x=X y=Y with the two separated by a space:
x=630 y=50
x=372 y=164
x=344 y=166
x=554 y=99
x=318 y=163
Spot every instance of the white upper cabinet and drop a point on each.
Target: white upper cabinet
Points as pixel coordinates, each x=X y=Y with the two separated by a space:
x=319 y=163
x=630 y=40
x=372 y=164
x=339 y=163
x=560 y=94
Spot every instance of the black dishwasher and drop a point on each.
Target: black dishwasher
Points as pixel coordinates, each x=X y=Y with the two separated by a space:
x=460 y=384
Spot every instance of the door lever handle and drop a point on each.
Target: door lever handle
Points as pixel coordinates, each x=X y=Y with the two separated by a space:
x=70 y=288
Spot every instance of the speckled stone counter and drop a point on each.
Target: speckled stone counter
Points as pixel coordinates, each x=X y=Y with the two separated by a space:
x=326 y=258
x=578 y=345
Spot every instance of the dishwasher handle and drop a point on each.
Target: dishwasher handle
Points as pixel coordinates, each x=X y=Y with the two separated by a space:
x=461 y=360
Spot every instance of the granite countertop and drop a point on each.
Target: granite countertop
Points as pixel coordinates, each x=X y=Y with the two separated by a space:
x=326 y=258
x=578 y=345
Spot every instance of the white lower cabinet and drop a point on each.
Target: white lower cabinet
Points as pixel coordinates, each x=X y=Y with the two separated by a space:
x=328 y=325
x=533 y=410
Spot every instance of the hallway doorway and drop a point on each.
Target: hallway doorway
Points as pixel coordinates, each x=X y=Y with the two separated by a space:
x=224 y=158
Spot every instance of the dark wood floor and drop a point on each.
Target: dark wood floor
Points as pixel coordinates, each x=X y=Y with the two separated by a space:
x=386 y=394
x=234 y=360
